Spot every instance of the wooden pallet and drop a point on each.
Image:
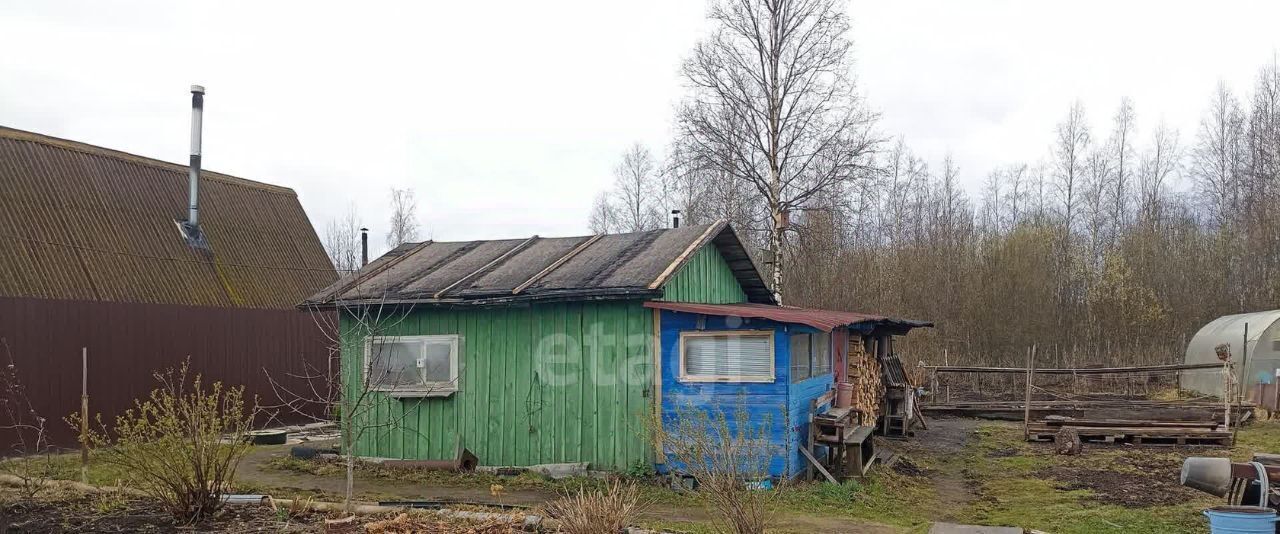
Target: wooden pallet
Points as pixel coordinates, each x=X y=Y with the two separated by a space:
x=1138 y=435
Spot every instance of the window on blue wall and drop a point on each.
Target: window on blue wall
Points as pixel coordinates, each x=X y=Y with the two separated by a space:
x=412 y=366
x=799 y=357
x=726 y=356
x=810 y=355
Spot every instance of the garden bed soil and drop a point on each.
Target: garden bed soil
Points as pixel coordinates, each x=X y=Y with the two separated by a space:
x=1138 y=478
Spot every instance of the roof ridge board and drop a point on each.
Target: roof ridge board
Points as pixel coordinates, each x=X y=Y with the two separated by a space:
x=362 y=277
x=581 y=246
x=684 y=257
x=464 y=248
x=16 y=134
x=486 y=267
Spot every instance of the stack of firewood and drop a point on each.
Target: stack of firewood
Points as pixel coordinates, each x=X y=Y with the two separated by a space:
x=864 y=374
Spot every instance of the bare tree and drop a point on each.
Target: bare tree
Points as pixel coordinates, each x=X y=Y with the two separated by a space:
x=1121 y=147
x=342 y=241
x=603 y=219
x=360 y=389
x=1160 y=160
x=637 y=191
x=1217 y=158
x=773 y=105
x=404 y=218
x=1070 y=150
x=31 y=457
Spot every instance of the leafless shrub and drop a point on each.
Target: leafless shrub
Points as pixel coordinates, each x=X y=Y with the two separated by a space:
x=182 y=444
x=32 y=461
x=355 y=394
x=598 y=511
x=729 y=457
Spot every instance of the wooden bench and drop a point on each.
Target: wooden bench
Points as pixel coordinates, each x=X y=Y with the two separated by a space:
x=850 y=448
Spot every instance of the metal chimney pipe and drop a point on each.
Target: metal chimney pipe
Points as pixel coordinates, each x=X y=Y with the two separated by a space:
x=675 y=218
x=364 y=247
x=197 y=113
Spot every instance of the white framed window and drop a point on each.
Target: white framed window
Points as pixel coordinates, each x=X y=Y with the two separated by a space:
x=412 y=366
x=727 y=356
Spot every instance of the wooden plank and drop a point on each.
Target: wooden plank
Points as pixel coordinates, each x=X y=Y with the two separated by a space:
x=659 y=456
x=1077 y=371
x=1026 y=405
x=476 y=273
x=359 y=276
x=1058 y=420
x=693 y=247
x=814 y=461
x=543 y=273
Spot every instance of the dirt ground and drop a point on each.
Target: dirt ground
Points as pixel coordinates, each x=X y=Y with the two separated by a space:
x=1116 y=483
x=257 y=472
x=62 y=512
x=957 y=470
x=942 y=447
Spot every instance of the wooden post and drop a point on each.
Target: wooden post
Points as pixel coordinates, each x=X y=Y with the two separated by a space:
x=946 y=360
x=1244 y=378
x=1226 y=391
x=1026 y=407
x=84 y=415
x=659 y=457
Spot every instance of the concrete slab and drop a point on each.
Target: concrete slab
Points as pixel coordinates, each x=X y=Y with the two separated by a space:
x=953 y=528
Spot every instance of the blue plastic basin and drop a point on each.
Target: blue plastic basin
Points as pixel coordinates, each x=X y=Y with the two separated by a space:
x=1241 y=520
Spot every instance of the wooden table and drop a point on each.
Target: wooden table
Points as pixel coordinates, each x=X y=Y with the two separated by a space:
x=850 y=448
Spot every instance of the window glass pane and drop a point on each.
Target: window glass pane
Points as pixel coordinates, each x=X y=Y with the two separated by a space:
x=821 y=349
x=394 y=364
x=437 y=360
x=799 y=357
x=728 y=355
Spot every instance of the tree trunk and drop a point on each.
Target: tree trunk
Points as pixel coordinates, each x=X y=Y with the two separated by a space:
x=775 y=248
x=351 y=471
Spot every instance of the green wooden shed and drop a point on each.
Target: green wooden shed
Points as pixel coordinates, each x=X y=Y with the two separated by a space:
x=524 y=351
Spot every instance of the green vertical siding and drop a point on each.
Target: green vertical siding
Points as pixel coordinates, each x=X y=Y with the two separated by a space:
x=564 y=382
x=705 y=278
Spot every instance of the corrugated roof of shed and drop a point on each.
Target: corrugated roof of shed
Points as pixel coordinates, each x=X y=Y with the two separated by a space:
x=825 y=320
x=83 y=222
x=631 y=265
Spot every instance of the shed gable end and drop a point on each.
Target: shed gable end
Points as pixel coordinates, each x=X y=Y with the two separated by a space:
x=706 y=279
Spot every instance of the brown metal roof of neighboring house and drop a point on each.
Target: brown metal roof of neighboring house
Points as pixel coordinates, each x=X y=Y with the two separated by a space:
x=83 y=222
x=612 y=266
x=825 y=320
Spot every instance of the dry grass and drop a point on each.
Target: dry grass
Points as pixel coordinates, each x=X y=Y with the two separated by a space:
x=598 y=511
x=429 y=524
x=727 y=460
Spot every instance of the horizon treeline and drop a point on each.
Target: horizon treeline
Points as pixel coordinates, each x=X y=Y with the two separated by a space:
x=1114 y=246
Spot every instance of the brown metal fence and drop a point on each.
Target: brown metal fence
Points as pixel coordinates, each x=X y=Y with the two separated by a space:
x=127 y=342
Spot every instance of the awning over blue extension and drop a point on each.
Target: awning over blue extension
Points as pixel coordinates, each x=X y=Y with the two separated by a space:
x=825 y=320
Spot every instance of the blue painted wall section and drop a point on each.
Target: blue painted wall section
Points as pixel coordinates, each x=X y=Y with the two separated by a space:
x=800 y=399
x=781 y=407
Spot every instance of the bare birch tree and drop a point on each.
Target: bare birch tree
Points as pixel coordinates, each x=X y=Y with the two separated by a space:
x=1121 y=148
x=1218 y=153
x=404 y=218
x=603 y=219
x=1071 y=145
x=1160 y=160
x=342 y=241
x=773 y=105
x=637 y=191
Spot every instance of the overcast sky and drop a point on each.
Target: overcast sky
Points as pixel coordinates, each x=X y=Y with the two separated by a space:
x=506 y=118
